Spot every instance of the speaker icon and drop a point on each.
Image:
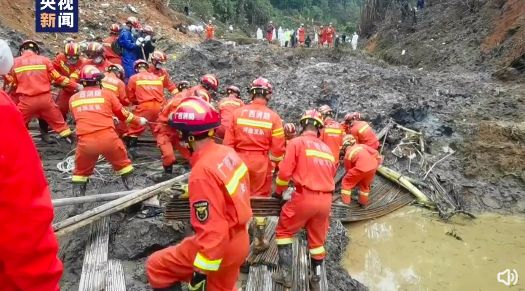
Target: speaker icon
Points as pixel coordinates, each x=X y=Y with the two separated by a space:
x=508 y=277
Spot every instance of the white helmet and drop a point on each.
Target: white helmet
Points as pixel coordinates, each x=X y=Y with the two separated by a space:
x=6 y=58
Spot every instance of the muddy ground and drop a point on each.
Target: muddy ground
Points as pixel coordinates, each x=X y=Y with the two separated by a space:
x=478 y=117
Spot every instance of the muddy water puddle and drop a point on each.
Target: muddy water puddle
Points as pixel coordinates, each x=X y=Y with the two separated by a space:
x=412 y=250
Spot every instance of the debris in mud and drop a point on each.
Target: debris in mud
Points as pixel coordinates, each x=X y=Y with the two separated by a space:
x=453 y=234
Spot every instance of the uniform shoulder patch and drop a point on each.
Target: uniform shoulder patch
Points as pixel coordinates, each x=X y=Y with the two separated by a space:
x=201 y=209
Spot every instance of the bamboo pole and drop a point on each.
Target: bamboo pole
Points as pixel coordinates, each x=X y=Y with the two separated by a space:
x=90 y=198
x=98 y=212
x=405 y=183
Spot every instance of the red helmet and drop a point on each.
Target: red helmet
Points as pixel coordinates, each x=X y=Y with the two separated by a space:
x=261 y=86
x=194 y=116
x=182 y=85
x=72 y=49
x=314 y=116
x=148 y=30
x=233 y=89
x=325 y=110
x=210 y=82
x=138 y=63
x=29 y=44
x=133 y=21
x=202 y=94
x=114 y=28
x=118 y=69
x=159 y=57
x=352 y=116
x=94 y=49
x=289 y=130
x=90 y=73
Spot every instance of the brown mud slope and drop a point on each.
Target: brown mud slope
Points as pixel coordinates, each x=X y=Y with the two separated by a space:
x=457 y=35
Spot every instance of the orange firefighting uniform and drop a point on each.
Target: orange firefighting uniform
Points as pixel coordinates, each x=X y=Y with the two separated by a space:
x=146 y=90
x=165 y=77
x=364 y=134
x=361 y=163
x=330 y=33
x=101 y=67
x=93 y=110
x=72 y=72
x=32 y=76
x=227 y=106
x=111 y=56
x=220 y=215
x=257 y=134
x=210 y=31
x=332 y=135
x=113 y=84
x=309 y=163
x=168 y=138
x=301 y=35
x=322 y=37
x=28 y=246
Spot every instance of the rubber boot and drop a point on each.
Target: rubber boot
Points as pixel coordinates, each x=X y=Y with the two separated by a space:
x=44 y=131
x=261 y=244
x=166 y=175
x=284 y=275
x=132 y=146
x=175 y=287
x=79 y=189
x=128 y=180
x=315 y=274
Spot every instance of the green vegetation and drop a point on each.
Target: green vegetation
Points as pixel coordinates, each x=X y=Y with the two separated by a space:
x=344 y=14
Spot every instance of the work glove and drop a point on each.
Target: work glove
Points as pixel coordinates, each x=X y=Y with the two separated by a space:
x=143 y=121
x=115 y=120
x=147 y=38
x=80 y=87
x=139 y=41
x=198 y=282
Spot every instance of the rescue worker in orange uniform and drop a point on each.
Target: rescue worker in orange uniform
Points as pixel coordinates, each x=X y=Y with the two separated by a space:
x=95 y=53
x=220 y=210
x=146 y=90
x=93 y=109
x=361 y=130
x=114 y=82
x=32 y=75
x=332 y=132
x=167 y=138
x=208 y=83
x=301 y=32
x=289 y=131
x=309 y=163
x=111 y=55
x=158 y=59
x=257 y=135
x=227 y=105
x=361 y=163
x=210 y=31
x=322 y=36
x=330 y=34
x=68 y=64
x=28 y=246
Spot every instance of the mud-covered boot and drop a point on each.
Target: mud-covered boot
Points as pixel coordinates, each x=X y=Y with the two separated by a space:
x=128 y=180
x=315 y=274
x=166 y=175
x=79 y=189
x=132 y=146
x=175 y=287
x=284 y=275
x=261 y=244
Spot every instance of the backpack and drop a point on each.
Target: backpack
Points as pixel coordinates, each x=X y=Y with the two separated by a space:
x=115 y=46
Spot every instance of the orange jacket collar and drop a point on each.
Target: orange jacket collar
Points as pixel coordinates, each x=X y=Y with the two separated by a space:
x=198 y=154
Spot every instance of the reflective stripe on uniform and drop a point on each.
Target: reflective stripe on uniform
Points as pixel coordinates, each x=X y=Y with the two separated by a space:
x=354 y=152
x=230 y=102
x=65 y=82
x=109 y=86
x=364 y=194
x=86 y=101
x=239 y=173
x=276 y=159
x=30 y=68
x=280 y=182
x=74 y=76
x=363 y=128
x=203 y=263
x=346 y=192
x=149 y=82
x=125 y=170
x=284 y=241
x=130 y=116
x=254 y=123
x=81 y=179
x=333 y=130
x=278 y=132
x=317 y=251
x=319 y=154
x=65 y=132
